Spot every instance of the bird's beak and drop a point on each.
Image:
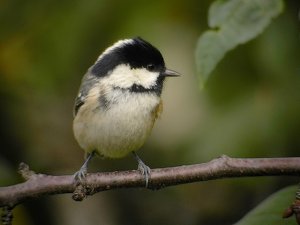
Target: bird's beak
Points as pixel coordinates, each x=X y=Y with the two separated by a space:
x=170 y=73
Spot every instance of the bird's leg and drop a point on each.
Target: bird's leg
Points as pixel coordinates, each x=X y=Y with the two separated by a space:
x=81 y=173
x=143 y=168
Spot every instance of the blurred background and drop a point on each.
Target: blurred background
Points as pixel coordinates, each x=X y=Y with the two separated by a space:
x=250 y=107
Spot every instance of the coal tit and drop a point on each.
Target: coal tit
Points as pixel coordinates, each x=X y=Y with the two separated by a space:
x=118 y=102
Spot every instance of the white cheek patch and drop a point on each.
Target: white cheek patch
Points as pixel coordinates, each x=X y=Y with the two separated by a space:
x=124 y=77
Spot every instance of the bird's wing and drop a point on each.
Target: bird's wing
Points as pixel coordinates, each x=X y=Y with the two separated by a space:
x=87 y=83
x=157 y=110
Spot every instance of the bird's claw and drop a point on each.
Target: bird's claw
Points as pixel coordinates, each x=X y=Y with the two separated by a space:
x=145 y=171
x=80 y=175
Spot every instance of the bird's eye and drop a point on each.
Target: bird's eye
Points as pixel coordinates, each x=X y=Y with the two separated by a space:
x=150 y=67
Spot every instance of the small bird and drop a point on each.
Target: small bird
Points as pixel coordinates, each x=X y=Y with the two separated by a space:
x=118 y=102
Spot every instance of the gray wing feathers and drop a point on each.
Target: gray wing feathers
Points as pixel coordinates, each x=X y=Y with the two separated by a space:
x=88 y=81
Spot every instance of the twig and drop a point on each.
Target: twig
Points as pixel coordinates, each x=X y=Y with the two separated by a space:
x=223 y=167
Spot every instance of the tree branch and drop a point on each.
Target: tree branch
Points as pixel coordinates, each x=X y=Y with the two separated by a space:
x=223 y=167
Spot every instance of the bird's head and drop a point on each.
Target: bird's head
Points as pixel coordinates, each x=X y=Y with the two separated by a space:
x=132 y=64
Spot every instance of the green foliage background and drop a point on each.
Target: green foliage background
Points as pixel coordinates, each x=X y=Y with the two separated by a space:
x=250 y=107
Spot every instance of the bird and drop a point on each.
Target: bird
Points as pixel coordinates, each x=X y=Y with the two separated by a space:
x=119 y=101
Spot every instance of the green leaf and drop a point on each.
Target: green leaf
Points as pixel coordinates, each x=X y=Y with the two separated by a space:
x=270 y=210
x=233 y=22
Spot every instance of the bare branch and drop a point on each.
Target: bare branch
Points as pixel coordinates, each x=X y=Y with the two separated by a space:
x=223 y=167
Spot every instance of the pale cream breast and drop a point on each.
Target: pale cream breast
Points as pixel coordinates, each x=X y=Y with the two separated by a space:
x=120 y=128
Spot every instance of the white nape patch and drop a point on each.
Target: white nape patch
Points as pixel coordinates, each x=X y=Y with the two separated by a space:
x=124 y=76
x=118 y=44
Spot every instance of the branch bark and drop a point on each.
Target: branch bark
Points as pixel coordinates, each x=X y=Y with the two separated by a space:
x=224 y=167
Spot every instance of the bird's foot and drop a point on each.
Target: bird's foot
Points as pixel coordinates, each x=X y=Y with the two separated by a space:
x=143 y=168
x=80 y=175
x=145 y=171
